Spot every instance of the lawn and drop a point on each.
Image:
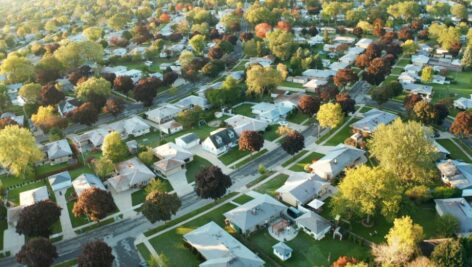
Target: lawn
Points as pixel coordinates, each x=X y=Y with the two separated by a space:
x=270 y=133
x=144 y=251
x=76 y=221
x=251 y=158
x=455 y=151
x=233 y=155
x=75 y=173
x=297 y=117
x=194 y=167
x=292 y=84
x=138 y=197
x=243 y=199
x=402 y=63
x=171 y=243
x=364 y=109
x=396 y=71
x=12 y=181
x=300 y=166
x=3 y=227
x=244 y=109
x=342 y=135
x=294 y=158
x=69 y=263
x=461 y=86
x=273 y=184
x=50 y=169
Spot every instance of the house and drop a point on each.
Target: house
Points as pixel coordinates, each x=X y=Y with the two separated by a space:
x=456 y=173
x=319 y=74
x=463 y=103
x=298 y=79
x=282 y=251
x=333 y=163
x=57 y=152
x=316 y=40
x=27 y=198
x=163 y=114
x=254 y=214
x=221 y=141
x=172 y=159
x=313 y=224
x=425 y=91
x=192 y=101
x=458 y=208
x=86 y=181
x=129 y=174
x=300 y=188
x=372 y=120
x=170 y=127
x=419 y=60
x=348 y=59
x=20 y=120
x=272 y=113
x=413 y=69
x=364 y=43
x=438 y=79
x=242 y=123
x=134 y=126
x=67 y=105
x=219 y=248
x=355 y=50
x=187 y=141
x=89 y=140
x=60 y=181
x=408 y=77
x=336 y=66
x=344 y=39
x=263 y=61
x=132 y=146
x=293 y=98
x=314 y=84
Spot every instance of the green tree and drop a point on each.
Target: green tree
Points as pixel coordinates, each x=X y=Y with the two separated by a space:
x=75 y=54
x=114 y=148
x=427 y=74
x=190 y=117
x=46 y=118
x=261 y=80
x=258 y=14
x=93 y=33
x=93 y=87
x=330 y=115
x=30 y=92
x=424 y=112
x=459 y=11
x=103 y=167
x=409 y=47
x=281 y=43
x=449 y=253
x=411 y=159
x=198 y=44
x=467 y=57
x=118 y=21
x=25 y=152
x=160 y=206
x=406 y=10
x=147 y=156
x=17 y=69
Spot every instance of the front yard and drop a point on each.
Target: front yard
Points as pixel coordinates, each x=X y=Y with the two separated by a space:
x=460 y=87
x=270 y=186
x=456 y=152
x=232 y=156
x=300 y=166
x=194 y=167
x=244 y=109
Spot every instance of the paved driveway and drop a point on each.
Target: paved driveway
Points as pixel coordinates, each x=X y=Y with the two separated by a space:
x=67 y=229
x=179 y=183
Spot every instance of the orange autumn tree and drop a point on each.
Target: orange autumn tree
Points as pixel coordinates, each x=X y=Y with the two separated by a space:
x=262 y=29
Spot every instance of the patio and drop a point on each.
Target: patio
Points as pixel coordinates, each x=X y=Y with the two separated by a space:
x=282 y=230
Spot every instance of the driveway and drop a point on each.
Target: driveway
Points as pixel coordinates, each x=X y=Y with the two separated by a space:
x=123 y=202
x=179 y=183
x=12 y=241
x=67 y=229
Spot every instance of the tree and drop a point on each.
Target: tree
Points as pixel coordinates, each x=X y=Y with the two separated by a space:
x=447 y=226
x=376 y=71
x=38 y=219
x=211 y=182
x=147 y=156
x=50 y=95
x=261 y=80
x=441 y=113
x=424 y=112
x=123 y=84
x=381 y=94
x=26 y=151
x=258 y=14
x=281 y=43
x=84 y=114
x=93 y=33
x=344 y=77
x=30 y=92
x=114 y=148
x=197 y=42
x=365 y=191
x=344 y=261
x=190 y=117
x=411 y=159
x=410 y=101
x=96 y=254
x=4 y=122
x=449 y=253
x=212 y=68
x=93 y=87
x=293 y=142
x=348 y=105
x=160 y=206
x=46 y=118
x=37 y=252
x=362 y=61
x=404 y=10
x=409 y=47
x=230 y=93
x=427 y=74
x=462 y=124
x=75 y=54
x=114 y=106
x=262 y=29
x=251 y=141
x=330 y=115
x=95 y=203
x=17 y=69
x=103 y=167
x=467 y=57
x=459 y=11
x=146 y=89
x=309 y=105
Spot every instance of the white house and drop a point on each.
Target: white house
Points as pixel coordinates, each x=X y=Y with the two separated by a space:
x=419 y=60
x=129 y=174
x=170 y=127
x=372 y=119
x=67 y=105
x=338 y=65
x=333 y=163
x=458 y=208
x=273 y=113
x=425 y=91
x=314 y=84
x=27 y=198
x=408 y=77
x=221 y=141
x=300 y=188
x=187 y=141
x=456 y=173
x=192 y=101
x=135 y=126
x=242 y=123
x=163 y=113
x=282 y=251
x=172 y=159
x=57 y=152
x=463 y=103
x=60 y=181
x=89 y=140
x=319 y=74
x=86 y=181
x=364 y=43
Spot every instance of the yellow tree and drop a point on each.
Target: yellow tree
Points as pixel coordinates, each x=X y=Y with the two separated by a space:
x=19 y=149
x=330 y=115
x=17 y=69
x=46 y=118
x=114 y=148
x=261 y=80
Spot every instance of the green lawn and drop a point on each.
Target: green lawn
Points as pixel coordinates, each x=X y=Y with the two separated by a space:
x=251 y=158
x=270 y=186
x=194 y=167
x=144 y=251
x=49 y=169
x=95 y=225
x=364 y=109
x=233 y=155
x=460 y=87
x=396 y=71
x=456 y=153
x=297 y=117
x=294 y=158
x=271 y=133
x=75 y=173
x=69 y=263
x=342 y=135
x=76 y=221
x=402 y=63
x=244 y=109
x=292 y=84
x=9 y=180
x=464 y=146
x=300 y=166
x=171 y=243
x=243 y=199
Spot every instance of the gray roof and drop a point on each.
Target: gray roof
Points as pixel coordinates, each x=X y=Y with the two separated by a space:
x=220 y=249
x=456 y=173
x=57 y=149
x=303 y=189
x=255 y=212
x=335 y=161
x=282 y=248
x=60 y=180
x=85 y=181
x=223 y=137
x=373 y=119
x=313 y=222
x=460 y=209
x=188 y=138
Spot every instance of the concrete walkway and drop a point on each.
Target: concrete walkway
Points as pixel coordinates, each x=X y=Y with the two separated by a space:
x=179 y=183
x=124 y=203
x=67 y=229
x=12 y=241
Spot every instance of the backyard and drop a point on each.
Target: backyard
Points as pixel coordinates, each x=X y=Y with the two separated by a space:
x=244 y=109
x=461 y=86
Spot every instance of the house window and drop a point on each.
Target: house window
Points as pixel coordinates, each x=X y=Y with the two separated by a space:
x=219 y=141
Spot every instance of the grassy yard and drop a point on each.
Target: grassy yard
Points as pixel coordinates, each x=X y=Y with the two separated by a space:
x=461 y=86
x=233 y=155
x=75 y=173
x=271 y=133
x=364 y=109
x=292 y=84
x=171 y=243
x=243 y=199
x=48 y=169
x=402 y=63
x=69 y=263
x=138 y=197
x=297 y=117
x=144 y=251
x=244 y=109
x=270 y=186
x=194 y=167
x=342 y=135
x=300 y=166
x=455 y=151
x=294 y=158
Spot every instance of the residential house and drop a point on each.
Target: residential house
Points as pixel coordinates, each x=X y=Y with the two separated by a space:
x=242 y=123
x=170 y=127
x=424 y=91
x=458 y=208
x=293 y=98
x=419 y=60
x=172 y=159
x=254 y=214
x=163 y=113
x=334 y=163
x=298 y=79
x=300 y=188
x=371 y=120
x=129 y=174
x=313 y=224
x=442 y=151
x=463 y=103
x=263 y=61
x=221 y=141
x=319 y=74
x=67 y=105
x=192 y=101
x=19 y=119
x=27 y=198
x=338 y=65
x=187 y=141
x=219 y=248
x=348 y=59
x=89 y=140
x=456 y=173
x=272 y=113
x=86 y=181
x=314 y=84
x=364 y=43
x=282 y=251
x=408 y=77
x=134 y=126
x=57 y=152
x=355 y=50
x=60 y=181
x=413 y=69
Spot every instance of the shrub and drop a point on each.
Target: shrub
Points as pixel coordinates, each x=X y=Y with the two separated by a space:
x=445 y=192
x=419 y=193
x=447 y=226
x=261 y=169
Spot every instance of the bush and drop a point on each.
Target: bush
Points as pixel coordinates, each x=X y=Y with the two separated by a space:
x=445 y=192
x=447 y=226
x=261 y=169
x=419 y=193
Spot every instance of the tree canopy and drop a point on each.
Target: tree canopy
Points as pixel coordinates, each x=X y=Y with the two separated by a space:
x=330 y=115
